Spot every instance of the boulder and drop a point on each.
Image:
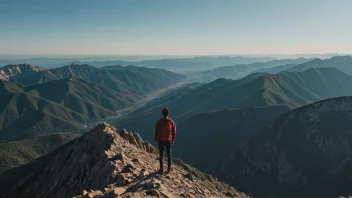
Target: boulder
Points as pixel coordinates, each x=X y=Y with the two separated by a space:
x=189 y=176
x=119 y=190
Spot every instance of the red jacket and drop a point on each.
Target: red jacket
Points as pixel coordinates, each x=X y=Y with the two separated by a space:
x=165 y=129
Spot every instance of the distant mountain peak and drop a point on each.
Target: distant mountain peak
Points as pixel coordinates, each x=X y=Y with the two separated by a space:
x=343 y=63
x=23 y=65
x=14 y=69
x=342 y=57
x=75 y=66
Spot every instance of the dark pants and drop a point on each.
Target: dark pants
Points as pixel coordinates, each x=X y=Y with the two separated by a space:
x=162 y=144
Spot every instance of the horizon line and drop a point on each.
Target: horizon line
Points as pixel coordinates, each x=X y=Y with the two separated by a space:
x=239 y=54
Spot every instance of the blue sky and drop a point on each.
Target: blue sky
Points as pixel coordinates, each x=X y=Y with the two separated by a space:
x=180 y=27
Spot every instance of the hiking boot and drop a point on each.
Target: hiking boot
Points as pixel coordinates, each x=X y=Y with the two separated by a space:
x=161 y=171
x=168 y=170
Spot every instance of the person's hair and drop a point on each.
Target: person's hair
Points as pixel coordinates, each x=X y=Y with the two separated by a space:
x=165 y=112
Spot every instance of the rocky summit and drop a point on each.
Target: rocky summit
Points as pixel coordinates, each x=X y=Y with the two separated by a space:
x=12 y=70
x=108 y=163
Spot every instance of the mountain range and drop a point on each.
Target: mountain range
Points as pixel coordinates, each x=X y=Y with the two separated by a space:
x=282 y=130
x=89 y=99
x=186 y=64
x=291 y=89
x=179 y=64
x=25 y=115
x=242 y=70
x=64 y=102
x=92 y=92
x=12 y=70
x=343 y=63
x=130 y=81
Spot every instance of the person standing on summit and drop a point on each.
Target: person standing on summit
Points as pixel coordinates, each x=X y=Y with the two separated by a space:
x=165 y=134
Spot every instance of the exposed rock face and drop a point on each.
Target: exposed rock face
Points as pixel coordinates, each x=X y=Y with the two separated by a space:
x=107 y=163
x=136 y=139
x=3 y=77
x=306 y=152
x=12 y=70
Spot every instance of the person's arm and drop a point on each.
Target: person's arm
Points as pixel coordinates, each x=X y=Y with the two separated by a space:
x=173 y=132
x=157 y=131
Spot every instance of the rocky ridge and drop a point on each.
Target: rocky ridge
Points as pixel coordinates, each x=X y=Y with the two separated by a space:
x=12 y=70
x=108 y=163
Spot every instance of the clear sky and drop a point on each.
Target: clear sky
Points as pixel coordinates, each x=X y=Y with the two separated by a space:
x=197 y=27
